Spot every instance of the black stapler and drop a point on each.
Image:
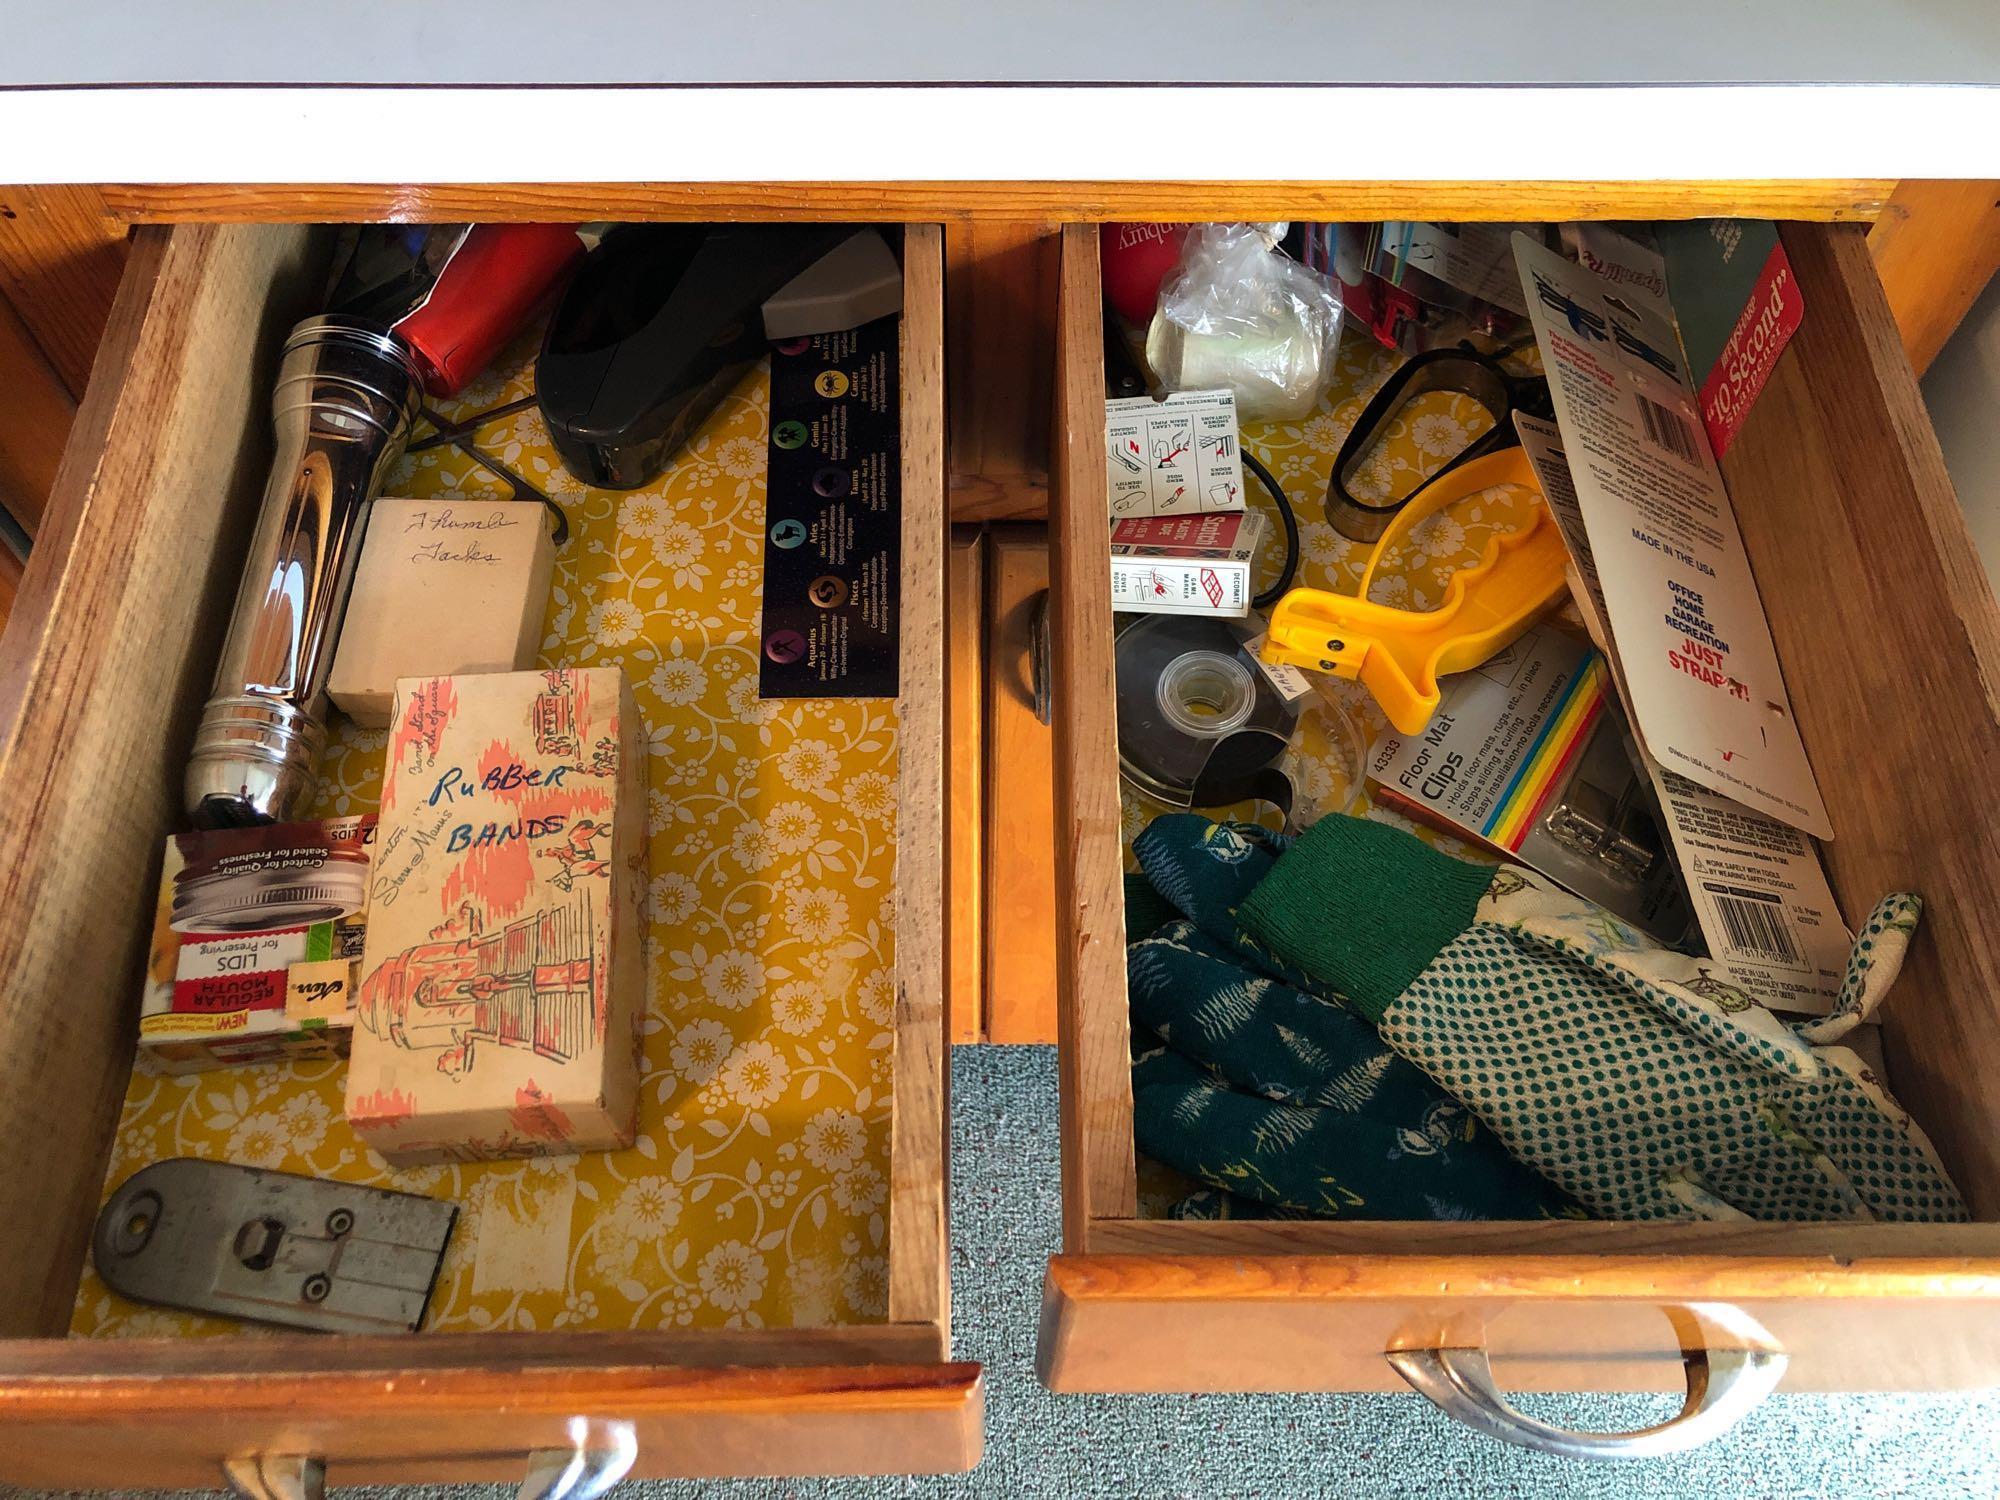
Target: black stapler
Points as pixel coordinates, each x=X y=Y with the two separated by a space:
x=656 y=328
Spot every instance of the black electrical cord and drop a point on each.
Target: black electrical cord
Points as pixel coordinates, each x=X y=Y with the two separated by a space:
x=1276 y=591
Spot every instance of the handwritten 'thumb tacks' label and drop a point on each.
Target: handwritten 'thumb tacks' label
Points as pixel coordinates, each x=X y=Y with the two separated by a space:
x=448 y=534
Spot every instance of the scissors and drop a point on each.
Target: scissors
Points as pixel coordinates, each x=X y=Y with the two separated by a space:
x=1463 y=370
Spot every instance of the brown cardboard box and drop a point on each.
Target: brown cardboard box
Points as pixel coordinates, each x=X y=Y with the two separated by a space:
x=503 y=981
x=443 y=587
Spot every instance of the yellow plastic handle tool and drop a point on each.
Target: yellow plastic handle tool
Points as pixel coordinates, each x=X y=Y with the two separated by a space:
x=1399 y=654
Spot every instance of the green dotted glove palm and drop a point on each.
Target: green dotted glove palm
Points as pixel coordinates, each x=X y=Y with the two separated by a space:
x=1621 y=1071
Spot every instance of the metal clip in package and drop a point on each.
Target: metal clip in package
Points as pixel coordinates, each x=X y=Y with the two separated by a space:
x=1399 y=654
x=1529 y=757
x=271 y=1247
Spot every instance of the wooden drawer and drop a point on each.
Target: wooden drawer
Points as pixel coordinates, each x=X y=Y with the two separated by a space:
x=1891 y=647
x=102 y=676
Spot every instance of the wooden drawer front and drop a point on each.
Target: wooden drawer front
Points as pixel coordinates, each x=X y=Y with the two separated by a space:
x=1197 y=1317
x=102 y=676
x=480 y=1418
x=1890 y=640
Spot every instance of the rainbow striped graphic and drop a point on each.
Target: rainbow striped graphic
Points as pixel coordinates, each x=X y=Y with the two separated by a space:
x=1563 y=734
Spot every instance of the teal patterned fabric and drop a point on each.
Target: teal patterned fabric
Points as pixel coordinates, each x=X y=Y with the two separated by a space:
x=1625 y=1073
x=1278 y=1095
x=1146 y=910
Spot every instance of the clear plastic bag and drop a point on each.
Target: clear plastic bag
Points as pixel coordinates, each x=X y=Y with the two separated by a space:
x=1237 y=314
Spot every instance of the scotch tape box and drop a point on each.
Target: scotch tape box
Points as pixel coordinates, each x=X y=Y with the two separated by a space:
x=1186 y=565
x=502 y=991
x=256 y=938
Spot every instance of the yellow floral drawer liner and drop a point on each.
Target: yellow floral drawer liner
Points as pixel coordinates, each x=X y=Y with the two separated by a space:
x=760 y=1199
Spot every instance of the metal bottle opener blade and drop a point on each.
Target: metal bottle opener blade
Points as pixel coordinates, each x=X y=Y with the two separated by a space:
x=271 y=1247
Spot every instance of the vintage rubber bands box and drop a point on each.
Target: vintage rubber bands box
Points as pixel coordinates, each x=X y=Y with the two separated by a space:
x=502 y=990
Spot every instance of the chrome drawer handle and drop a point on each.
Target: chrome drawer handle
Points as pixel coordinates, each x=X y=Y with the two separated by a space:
x=599 y=1455
x=1041 y=673
x=1723 y=1385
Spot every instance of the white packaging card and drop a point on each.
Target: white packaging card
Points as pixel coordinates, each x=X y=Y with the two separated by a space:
x=1542 y=443
x=1756 y=886
x=1474 y=258
x=1288 y=681
x=1635 y=272
x=1704 y=687
x=1177 y=457
x=1759 y=896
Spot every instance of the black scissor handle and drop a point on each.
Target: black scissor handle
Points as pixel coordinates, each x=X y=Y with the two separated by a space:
x=1462 y=371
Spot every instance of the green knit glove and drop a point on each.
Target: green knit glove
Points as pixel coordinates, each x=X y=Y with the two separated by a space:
x=1623 y=1072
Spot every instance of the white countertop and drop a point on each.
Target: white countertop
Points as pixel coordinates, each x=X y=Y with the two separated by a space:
x=581 y=90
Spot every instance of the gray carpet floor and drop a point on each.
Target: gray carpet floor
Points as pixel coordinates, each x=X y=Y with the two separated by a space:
x=1005 y=1223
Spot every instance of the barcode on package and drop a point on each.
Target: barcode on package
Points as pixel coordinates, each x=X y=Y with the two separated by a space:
x=1757 y=929
x=1669 y=430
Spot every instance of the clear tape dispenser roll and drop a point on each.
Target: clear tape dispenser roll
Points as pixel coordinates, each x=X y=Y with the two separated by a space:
x=1199 y=725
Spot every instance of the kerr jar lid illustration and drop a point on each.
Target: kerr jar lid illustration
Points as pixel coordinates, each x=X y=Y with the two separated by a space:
x=261 y=879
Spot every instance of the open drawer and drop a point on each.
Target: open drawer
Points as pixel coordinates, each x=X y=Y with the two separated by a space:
x=1890 y=640
x=104 y=670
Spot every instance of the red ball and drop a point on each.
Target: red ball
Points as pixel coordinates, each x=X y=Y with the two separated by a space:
x=1136 y=259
